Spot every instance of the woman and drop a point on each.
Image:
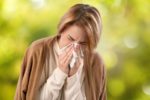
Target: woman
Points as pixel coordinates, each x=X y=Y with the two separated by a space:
x=65 y=66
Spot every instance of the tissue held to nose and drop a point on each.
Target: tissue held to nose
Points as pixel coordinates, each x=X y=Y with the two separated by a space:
x=73 y=60
x=74 y=55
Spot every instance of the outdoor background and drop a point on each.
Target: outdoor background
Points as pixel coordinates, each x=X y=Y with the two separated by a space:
x=124 y=45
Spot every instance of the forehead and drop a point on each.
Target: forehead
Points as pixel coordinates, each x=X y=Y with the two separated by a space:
x=76 y=32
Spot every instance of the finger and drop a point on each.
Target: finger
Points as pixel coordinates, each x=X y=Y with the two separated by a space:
x=63 y=59
x=77 y=51
x=68 y=53
x=68 y=56
x=80 y=50
x=69 y=48
x=65 y=52
x=66 y=46
x=68 y=59
x=78 y=62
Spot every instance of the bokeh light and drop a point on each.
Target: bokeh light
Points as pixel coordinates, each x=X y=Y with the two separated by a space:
x=124 y=44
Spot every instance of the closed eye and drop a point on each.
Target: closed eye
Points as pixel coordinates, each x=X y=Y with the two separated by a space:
x=83 y=43
x=70 y=38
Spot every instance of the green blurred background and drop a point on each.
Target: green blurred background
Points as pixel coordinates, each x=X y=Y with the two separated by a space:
x=124 y=45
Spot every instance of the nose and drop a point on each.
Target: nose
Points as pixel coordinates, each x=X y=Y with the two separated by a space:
x=76 y=45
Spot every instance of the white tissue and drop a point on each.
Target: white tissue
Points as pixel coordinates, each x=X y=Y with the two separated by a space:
x=74 y=55
x=74 y=58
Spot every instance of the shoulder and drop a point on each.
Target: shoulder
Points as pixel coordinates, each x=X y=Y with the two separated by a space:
x=38 y=44
x=98 y=63
x=97 y=58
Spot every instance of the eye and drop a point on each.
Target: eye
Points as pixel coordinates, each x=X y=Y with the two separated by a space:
x=69 y=38
x=83 y=44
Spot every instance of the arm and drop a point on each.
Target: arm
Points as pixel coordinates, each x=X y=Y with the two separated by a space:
x=51 y=89
x=21 y=88
x=74 y=89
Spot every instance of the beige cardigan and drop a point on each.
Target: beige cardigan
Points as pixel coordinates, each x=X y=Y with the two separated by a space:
x=73 y=86
x=39 y=55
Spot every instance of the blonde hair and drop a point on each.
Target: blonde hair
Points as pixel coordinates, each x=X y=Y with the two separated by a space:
x=88 y=17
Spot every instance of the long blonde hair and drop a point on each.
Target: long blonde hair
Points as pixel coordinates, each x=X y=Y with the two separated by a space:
x=89 y=18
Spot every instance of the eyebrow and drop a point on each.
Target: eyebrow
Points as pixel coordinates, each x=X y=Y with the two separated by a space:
x=75 y=40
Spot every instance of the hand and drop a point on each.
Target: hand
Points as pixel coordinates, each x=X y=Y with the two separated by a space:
x=64 y=59
x=73 y=70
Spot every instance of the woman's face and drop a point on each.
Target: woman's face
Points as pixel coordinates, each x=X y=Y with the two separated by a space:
x=72 y=34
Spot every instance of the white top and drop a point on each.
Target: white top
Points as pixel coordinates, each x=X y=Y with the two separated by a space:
x=73 y=86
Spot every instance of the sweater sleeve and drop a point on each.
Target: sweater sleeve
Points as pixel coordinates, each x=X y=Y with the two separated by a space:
x=74 y=89
x=21 y=89
x=51 y=89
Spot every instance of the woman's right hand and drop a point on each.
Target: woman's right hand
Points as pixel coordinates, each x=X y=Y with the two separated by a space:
x=64 y=59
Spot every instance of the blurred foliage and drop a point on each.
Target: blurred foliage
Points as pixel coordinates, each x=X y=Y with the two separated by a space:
x=124 y=44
